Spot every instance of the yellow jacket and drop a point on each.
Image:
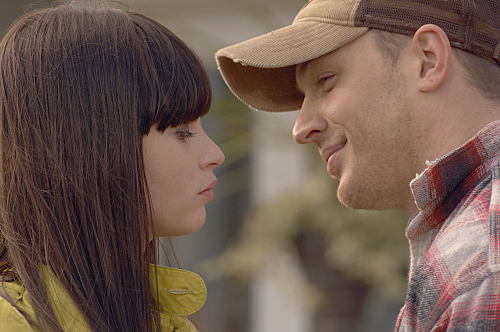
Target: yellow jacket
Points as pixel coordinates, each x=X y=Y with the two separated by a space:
x=180 y=293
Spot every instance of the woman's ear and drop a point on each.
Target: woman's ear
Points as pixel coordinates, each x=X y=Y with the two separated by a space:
x=433 y=50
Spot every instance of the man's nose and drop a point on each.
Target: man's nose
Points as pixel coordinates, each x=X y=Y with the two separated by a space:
x=309 y=125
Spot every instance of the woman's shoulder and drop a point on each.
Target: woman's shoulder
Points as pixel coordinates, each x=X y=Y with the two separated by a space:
x=10 y=317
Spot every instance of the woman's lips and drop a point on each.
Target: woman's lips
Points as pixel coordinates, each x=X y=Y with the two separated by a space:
x=208 y=193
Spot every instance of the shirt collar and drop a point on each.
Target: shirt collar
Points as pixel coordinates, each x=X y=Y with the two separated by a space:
x=439 y=188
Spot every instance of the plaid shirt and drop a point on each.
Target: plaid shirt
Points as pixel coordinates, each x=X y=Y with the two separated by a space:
x=454 y=279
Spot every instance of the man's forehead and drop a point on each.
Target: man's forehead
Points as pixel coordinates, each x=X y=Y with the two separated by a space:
x=338 y=55
x=301 y=68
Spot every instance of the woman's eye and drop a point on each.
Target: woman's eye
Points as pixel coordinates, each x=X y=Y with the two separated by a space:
x=182 y=135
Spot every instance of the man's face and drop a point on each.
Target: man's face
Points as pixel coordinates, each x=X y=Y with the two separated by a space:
x=358 y=111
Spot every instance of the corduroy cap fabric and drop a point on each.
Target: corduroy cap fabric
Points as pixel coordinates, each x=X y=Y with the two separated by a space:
x=261 y=71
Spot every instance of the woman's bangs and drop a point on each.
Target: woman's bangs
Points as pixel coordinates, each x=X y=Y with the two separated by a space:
x=174 y=79
x=188 y=95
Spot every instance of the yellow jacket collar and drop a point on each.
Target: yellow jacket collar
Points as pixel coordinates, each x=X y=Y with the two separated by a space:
x=179 y=292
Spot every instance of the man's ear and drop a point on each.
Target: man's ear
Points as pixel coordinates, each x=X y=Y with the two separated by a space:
x=433 y=50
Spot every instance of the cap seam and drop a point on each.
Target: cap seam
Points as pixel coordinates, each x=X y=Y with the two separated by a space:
x=469 y=15
x=325 y=20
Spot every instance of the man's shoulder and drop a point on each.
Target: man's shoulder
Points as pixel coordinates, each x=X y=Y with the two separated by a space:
x=460 y=268
x=467 y=231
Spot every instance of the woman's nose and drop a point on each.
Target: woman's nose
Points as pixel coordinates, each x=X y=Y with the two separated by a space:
x=214 y=155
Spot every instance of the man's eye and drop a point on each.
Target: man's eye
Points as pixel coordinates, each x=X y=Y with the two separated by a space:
x=184 y=135
x=326 y=82
x=323 y=80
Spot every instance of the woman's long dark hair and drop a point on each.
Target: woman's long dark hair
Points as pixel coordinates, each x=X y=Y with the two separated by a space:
x=79 y=88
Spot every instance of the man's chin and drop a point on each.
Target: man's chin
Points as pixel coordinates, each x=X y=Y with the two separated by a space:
x=360 y=198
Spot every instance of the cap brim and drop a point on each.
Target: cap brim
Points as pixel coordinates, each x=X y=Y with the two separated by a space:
x=261 y=71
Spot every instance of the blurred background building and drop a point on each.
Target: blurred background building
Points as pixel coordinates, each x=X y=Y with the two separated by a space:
x=278 y=252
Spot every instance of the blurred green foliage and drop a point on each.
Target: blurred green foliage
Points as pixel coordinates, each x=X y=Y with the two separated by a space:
x=365 y=245
x=232 y=134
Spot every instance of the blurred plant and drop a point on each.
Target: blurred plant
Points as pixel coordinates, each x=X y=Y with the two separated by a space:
x=364 y=245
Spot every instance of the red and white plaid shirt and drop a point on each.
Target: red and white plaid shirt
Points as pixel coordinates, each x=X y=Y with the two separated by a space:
x=454 y=280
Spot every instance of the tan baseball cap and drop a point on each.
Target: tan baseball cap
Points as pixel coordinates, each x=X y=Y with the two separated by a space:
x=261 y=71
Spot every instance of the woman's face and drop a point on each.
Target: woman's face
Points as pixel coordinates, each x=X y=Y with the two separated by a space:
x=179 y=166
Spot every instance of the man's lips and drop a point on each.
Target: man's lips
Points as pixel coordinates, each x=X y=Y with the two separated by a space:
x=330 y=156
x=208 y=193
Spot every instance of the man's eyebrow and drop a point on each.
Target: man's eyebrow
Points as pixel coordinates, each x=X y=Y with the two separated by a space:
x=301 y=68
